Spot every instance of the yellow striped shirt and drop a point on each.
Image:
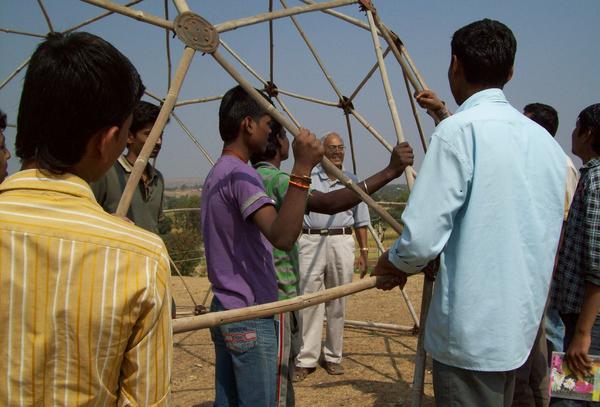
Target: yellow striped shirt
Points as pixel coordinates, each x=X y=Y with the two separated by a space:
x=84 y=300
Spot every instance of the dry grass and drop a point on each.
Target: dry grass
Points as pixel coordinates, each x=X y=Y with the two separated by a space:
x=379 y=365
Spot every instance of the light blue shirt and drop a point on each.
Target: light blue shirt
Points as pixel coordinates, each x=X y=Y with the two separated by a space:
x=490 y=195
x=357 y=217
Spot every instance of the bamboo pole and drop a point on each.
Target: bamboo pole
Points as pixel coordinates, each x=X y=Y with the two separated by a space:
x=187 y=131
x=182 y=280
x=199 y=100
x=415 y=113
x=378 y=325
x=181 y=6
x=287 y=111
x=341 y=16
x=271 y=45
x=264 y=310
x=10 y=31
x=175 y=210
x=98 y=17
x=206 y=295
x=308 y=98
x=421 y=356
x=387 y=35
x=327 y=165
x=413 y=67
x=168 y=45
x=388 y=91
x=346 y=115
x=157 y=129
x=135 y=14
x=244 y=63
x=381 y=250
x=259 y=18
x=46 y=16
x=419 y=373
x=314 y=53
x=371 y=130
x=15 y=72
x=154 y=96
x=367 y=77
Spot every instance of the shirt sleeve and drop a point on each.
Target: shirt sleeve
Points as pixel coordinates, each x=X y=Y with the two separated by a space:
x=591 y=232
x=249 y=192
x=145 y=378
x=361 y=215
x=280 y=188
x=438 y=194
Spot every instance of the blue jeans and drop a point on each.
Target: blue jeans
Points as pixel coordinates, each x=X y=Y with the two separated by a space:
x=246 y=361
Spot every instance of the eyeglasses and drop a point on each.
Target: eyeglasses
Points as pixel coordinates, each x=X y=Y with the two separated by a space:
x=333 y=149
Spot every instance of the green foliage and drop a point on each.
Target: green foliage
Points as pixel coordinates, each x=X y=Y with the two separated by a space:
x=182 y=233
x=390 y=193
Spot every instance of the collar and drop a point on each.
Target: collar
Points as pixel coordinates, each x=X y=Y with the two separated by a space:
x=35 y=179
x=320 y=171
x=493 y=95
x=594 y=162
x=128 y=167
x=264 y=164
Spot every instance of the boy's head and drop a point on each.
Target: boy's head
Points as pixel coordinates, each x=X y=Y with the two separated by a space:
x=240 y=114
x=4 y=152
x=544 y=115
x=277 y=143
x=483 y=54
x=144 y=116
x=586 y=135
x=77 y=88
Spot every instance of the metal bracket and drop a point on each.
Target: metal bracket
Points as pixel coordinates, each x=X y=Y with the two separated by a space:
x=195 y=32
x=367 y=5
x=346 y=104
x=271 y=89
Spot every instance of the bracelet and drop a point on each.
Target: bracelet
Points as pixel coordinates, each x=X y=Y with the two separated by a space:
x=298 y=184
x=300 y=180
x=366 y=188
x=306 y=178
x=364 y=249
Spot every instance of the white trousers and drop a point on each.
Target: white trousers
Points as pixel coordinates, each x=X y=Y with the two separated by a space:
x=325 y=262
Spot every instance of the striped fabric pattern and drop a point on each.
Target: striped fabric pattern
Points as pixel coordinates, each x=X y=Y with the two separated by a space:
x=84 y=300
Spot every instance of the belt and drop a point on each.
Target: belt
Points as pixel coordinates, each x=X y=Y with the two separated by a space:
x=328 y=232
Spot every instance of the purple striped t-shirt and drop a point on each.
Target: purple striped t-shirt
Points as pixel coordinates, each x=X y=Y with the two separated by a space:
x=239 y=260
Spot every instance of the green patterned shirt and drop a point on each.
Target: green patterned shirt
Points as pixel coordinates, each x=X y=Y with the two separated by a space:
x=286 y=263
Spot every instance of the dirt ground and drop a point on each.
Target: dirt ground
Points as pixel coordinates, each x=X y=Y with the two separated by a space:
x=378 y=364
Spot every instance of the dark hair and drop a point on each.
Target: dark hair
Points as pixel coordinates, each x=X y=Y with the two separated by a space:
x=76 y=85
x=589 y=119
x=273 y=144
x=144 y=113
x=236 y=105
x=486 y=50
x=2 y=120
x=544 y=115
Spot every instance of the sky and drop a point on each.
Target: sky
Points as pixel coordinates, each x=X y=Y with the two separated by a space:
x=557 y=63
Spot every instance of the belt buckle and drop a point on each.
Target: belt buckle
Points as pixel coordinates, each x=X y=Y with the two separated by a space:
x=323 y=232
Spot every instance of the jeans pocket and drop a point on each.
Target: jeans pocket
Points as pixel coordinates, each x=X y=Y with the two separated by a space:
x=240 y=336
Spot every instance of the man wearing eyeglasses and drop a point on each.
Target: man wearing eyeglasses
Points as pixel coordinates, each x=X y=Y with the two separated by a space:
x=326 y=259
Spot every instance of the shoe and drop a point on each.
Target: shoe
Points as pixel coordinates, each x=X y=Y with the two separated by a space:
x=333 y=368
x=300 y=373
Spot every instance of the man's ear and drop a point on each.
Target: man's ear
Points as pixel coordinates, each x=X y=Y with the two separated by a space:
x=106 y=141
x=247 y=126
x=130 y=137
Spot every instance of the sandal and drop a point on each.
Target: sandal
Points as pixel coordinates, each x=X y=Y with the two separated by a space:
x=333 y=368
x=300 y=373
